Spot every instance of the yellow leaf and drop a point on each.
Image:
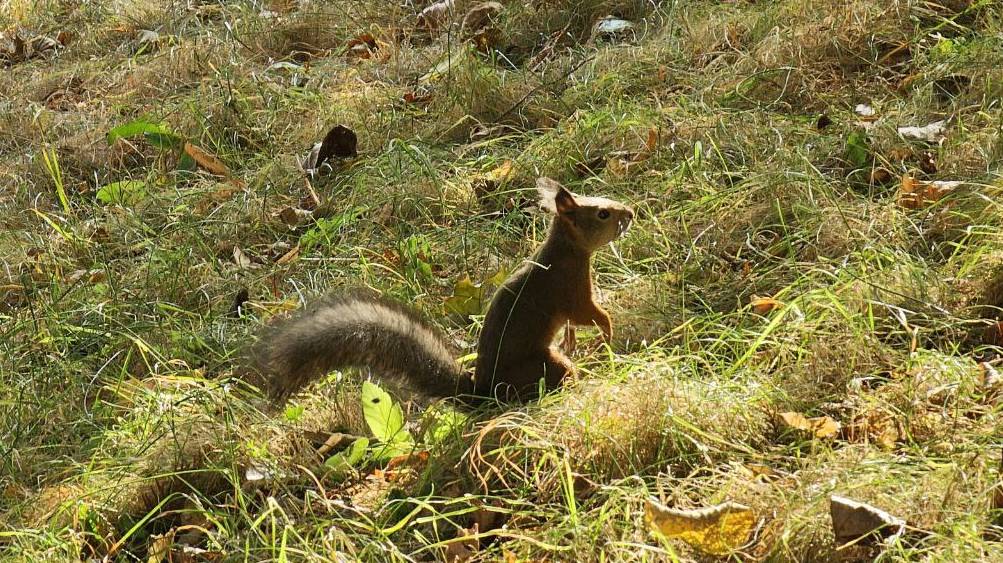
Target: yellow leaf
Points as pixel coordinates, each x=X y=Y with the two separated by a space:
x=466 y=299
x=492 y=180
x=160 y=546
x=718 y=530
x=820 y=427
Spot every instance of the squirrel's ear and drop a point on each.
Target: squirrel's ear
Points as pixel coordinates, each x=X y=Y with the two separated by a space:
x=554 y=197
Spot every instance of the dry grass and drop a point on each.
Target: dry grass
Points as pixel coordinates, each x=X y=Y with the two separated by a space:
x=122 y=413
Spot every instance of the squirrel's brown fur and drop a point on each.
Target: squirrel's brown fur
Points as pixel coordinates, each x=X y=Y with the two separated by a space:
x=554 y=288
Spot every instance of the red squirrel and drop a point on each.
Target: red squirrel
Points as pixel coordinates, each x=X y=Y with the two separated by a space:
x=514 y=352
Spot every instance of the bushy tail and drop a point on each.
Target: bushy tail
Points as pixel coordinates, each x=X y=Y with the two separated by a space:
x=357 y=329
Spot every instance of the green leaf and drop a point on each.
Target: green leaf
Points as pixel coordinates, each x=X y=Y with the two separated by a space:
x=294 y=413
x=126 y=192
x=157 y=134
x=858 y=150
x=384 y=417
x=164 y=140
x=446 y=423
x=343 y=461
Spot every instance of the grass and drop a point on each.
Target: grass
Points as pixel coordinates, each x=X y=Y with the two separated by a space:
x=730 y=127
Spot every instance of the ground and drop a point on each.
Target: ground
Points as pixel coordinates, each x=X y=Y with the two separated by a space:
x=793 y=255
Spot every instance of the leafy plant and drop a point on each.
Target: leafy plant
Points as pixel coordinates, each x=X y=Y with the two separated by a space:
x=386 y=421
x=126 y=192
x=327 y=230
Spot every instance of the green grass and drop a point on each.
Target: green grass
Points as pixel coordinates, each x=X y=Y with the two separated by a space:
x=122 y=415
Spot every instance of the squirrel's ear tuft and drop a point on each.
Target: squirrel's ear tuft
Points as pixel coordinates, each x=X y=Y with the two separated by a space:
x=554 y=197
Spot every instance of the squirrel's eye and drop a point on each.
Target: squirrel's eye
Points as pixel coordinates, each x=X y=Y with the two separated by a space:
x=603 y=214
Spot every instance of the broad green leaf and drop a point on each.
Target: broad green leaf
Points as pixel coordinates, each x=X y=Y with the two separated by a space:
x=384 y=417
x=343 y=461
x=157 y=134
x=858 y=151
x=446 y=423
x=294 y=413
x=126 y=192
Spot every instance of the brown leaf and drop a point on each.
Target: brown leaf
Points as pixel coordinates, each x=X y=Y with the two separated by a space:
x=764 y=305
x=464 y=547
x=340 y=142
x=652 y=142
x=880 y=176
x=413 y=459
x=236 y=308
x=481 y=15
x=362 y=46
x=241 y=259
x=853 y=521
x=820 y=426
x=289 y=257
x=417 y=98
x=914 y=194
x=435 y=15
x=207 y=161
x=293 y=216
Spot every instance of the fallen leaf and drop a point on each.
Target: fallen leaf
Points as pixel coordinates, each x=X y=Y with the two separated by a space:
x=241 y=259
x=464 y=547
x=652 y=141
x=481 y=15
x=236 y=308
x=417 y=97
x=914 y=194
x=613 y=28
x=490 y=181
x=864 y=110
x=340 y=142
x=717 y=530
x=160 y=546
x=290 y=256
x=206 y=160
x=413 y=459
x=991 y=379
x=470 y=299
x=854 y=521
x=257 y=473
x=466 y=299
x=125 y=193
x=820 y=426
x=435 y=15
x=933 y=132
x=362 y=46
x=880 y=176
x=876 y=426
x=293 y=216
x=764 y=305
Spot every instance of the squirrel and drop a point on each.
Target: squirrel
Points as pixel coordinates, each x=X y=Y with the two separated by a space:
x=551 y=291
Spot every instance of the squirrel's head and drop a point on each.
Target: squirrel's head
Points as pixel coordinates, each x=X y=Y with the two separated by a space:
x=592 y=221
